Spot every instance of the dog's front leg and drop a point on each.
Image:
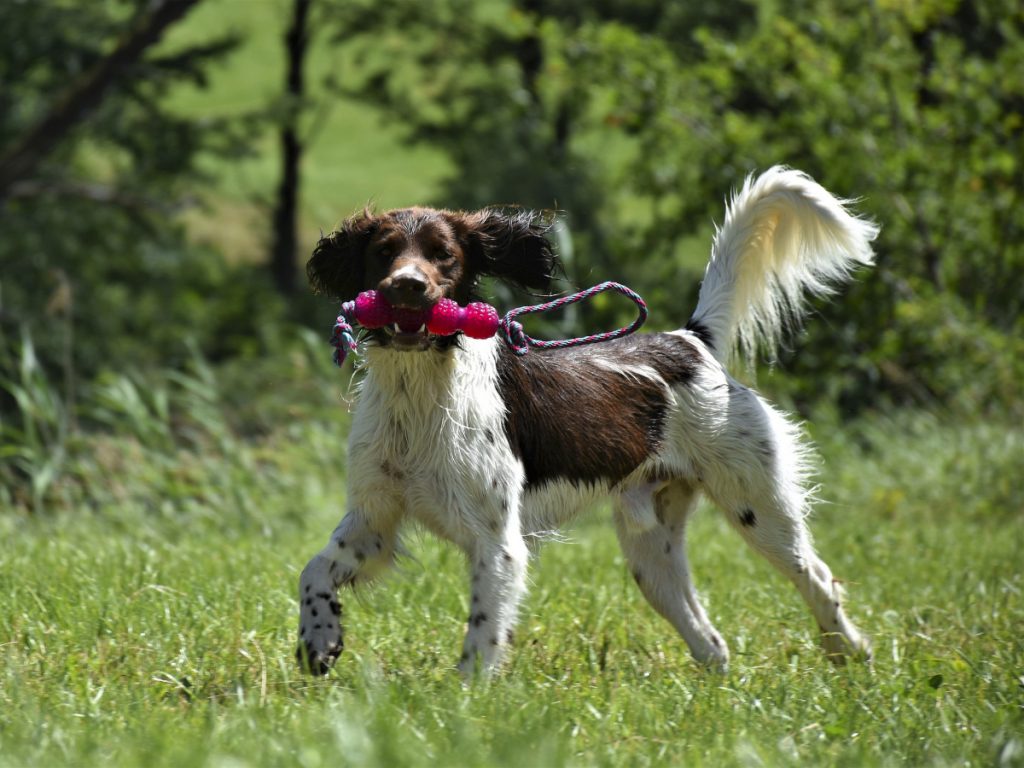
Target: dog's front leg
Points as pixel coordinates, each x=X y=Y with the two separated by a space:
x=362 y=546
x=498 y=569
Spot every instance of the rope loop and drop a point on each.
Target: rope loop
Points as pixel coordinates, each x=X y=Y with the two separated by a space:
x=515 y=335
x=519 y=342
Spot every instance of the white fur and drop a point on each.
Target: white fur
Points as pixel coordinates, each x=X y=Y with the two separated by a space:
x=783 y=235
x=428 y=443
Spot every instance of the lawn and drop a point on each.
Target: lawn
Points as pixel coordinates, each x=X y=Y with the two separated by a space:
x=149 y=616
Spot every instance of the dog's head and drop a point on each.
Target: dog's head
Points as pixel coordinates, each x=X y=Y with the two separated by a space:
x=416 y=256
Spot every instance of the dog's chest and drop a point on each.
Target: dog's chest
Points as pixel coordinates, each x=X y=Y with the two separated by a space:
x=433 y=426
x=421 y=408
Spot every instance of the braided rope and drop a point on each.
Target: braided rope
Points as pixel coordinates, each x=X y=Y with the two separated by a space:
x=343 y=338
x=519 y=342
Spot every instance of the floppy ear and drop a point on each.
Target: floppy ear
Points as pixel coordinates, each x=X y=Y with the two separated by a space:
x=512 y=245
x=338 y=262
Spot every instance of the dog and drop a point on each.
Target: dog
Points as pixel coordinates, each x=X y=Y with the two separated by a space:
x=490 y=450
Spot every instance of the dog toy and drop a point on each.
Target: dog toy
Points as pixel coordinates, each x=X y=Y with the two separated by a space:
x=476 y=320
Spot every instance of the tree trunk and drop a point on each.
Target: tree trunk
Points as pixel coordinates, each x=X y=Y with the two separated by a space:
x=283 y=266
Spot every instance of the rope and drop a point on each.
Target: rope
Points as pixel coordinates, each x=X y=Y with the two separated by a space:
x=343 y=338
x=519 y=342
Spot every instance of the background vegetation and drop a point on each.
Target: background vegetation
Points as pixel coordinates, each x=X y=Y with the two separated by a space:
x=171 y=432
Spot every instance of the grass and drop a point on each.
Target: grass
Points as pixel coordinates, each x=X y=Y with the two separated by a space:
x=148 y=615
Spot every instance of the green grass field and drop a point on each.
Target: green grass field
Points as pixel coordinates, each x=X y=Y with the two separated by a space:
x=148 y=616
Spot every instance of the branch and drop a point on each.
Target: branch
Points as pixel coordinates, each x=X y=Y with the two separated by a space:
x=189 y=61
x=86 y=94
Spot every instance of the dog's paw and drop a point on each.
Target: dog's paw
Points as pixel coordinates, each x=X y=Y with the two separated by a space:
x=318 y=661
x=320 y=634
x=712 y=654
x=839 y=649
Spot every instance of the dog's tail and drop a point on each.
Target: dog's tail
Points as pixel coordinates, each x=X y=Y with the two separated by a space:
x=783 y=235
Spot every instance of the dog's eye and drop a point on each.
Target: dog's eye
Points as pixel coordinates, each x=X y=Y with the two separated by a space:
x=384 y=251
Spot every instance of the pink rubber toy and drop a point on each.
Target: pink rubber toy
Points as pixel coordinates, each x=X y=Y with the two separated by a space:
x=477 y=320
x=372 y=310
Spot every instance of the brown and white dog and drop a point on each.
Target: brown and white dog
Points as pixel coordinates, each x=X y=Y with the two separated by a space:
x=490 y=450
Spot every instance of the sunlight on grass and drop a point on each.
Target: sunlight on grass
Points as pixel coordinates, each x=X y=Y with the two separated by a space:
x=160 y=632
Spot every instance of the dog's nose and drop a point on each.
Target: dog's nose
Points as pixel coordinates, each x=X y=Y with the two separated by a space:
x=409 y=283
x=406 y=287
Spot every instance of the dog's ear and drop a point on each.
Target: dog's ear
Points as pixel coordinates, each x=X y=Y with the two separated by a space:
x=339 y=259
x=512 y=245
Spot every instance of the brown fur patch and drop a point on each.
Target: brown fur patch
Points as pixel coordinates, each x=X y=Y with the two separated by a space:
x=572 y=416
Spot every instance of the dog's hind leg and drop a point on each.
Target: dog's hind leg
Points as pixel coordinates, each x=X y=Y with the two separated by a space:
x=657 y=557
x=759 y=483
x=785 y=542
x=360 y=548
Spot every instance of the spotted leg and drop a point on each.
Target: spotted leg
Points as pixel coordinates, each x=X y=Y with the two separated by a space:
x=657 y=557
x=786 y=543
x=498 y=568
x=360 y=548
x=760 y=486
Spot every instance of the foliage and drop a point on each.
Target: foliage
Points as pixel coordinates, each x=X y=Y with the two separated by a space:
x=195 y=426
x=637 y=119
x=33 y=448
x=91 y=251
x=156 y=627
x=632 y=118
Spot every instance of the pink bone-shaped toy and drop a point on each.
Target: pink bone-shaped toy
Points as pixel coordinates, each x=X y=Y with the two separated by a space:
x=477 y=319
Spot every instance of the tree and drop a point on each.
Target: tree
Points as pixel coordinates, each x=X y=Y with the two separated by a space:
x=94 y=267
x=636 y=119
x=86 y=93
x=283 y=265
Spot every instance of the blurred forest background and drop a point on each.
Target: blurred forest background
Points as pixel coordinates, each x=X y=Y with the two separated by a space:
x=167 y=165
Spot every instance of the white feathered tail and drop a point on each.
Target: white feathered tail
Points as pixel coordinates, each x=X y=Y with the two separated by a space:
x=783 y=235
